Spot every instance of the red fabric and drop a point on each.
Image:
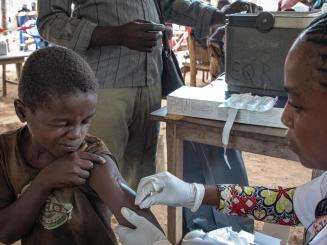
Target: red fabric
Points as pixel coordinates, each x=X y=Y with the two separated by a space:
x=286 y=4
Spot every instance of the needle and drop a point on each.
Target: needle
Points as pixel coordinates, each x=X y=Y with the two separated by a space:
x=127 y=189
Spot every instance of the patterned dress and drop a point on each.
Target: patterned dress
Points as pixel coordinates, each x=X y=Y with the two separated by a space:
x=260 y=203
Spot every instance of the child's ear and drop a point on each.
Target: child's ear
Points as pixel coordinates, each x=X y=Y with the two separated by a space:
x=20 y=109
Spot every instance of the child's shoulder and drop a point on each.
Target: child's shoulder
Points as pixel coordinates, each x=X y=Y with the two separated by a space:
x=9 y=138
x=8 y=148
x=11 y=133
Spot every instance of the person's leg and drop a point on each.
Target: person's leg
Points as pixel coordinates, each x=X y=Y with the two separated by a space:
x=114 y=113
x=38 y=42
x=122 y=123
x=22 y=45
x=143 y=134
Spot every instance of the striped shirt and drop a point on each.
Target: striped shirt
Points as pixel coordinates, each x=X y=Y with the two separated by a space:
x=70 y=23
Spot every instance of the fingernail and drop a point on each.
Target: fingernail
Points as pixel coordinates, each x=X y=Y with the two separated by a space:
x=103 y=160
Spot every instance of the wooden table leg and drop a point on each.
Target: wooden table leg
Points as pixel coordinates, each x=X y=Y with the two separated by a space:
x=4 y=85
x=191 y=49
x=175 y=166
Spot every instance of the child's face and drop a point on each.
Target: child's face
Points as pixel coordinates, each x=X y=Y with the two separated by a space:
x=306 y=112
x=61 y=128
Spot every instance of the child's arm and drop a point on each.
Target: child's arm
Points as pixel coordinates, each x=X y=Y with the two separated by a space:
x=105 y=181
x=19 y=217
x=260 y=203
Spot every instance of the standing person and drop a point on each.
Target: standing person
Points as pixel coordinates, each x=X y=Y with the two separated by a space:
x=24 y=9
x=22 y=18
x=121 y=40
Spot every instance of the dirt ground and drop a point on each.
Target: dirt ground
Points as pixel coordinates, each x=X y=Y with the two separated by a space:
x=262 y=170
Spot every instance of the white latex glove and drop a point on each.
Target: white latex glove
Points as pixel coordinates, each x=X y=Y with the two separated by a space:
x=164 y=188
x=145 y=233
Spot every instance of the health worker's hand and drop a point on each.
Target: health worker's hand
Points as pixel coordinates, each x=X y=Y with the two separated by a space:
x=164 y=188
x=145 y=233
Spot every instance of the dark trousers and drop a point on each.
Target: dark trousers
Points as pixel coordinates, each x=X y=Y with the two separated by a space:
x=205 y=164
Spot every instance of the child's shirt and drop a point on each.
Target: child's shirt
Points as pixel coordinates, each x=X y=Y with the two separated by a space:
x=68 y=216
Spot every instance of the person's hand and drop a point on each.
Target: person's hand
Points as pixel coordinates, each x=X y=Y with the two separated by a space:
x=218 y=35
x=69 y=170
x=240 y=6
x=145 y=233
x=218 y=17
x=141 y=35
x=165 y=188
x=169 y=32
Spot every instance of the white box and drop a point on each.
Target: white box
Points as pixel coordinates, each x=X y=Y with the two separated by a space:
x=204 y=103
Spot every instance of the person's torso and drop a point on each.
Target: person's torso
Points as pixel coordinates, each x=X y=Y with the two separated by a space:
x=68 y=216
x=114 y=12
x=119 y=66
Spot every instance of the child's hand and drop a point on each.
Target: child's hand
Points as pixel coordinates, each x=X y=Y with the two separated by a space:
x=70 y=170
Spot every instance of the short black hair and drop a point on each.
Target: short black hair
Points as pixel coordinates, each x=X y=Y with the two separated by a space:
x=49 y=73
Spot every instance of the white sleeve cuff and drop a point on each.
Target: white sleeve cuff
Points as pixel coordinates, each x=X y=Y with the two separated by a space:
x=199 y=195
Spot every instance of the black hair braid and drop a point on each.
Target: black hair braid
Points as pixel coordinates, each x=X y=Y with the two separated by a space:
x=317 y=31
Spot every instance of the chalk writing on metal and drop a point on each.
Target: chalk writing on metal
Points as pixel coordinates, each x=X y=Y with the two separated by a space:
x=248 y=73
x=251 y=72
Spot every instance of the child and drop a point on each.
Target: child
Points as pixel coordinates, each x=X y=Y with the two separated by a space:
x=57 y=184
x=305 y=115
